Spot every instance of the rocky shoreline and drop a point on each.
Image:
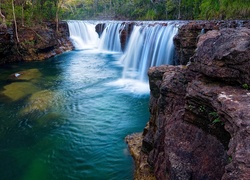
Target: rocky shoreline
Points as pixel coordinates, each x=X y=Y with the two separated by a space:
x=36 y=43
x=200 y=120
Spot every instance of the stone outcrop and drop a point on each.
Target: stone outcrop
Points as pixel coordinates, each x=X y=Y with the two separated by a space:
x=36 y=43
x=187 y=37
x=99 y=28
x=200 y=118
x=124 y=31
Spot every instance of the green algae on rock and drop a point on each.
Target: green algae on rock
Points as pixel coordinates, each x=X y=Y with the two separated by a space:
x=25 y=75
x=39 y=101
x=18 y=90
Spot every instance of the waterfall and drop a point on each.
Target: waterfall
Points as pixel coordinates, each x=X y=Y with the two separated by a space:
x=83 y=34
x=110 y=38
x=148 y=46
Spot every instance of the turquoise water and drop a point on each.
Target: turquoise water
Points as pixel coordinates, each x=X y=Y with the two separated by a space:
x=68 y=119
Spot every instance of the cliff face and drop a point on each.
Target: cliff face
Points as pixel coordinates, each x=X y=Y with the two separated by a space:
x=186 y=39
x=200 y=118
x=36 y=43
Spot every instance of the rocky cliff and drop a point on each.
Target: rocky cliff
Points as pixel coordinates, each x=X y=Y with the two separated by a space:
x=186 y=39
x=36 y=43
x=200 y=118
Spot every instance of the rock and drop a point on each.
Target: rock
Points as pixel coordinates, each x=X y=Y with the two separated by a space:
x=36 y=43
x=199 y=123
x=18 y=90
x=25 y=75
x=143 y=170
x=186 y=39
x=39 y=101
x=225 y=55
x=180 y=150
x=99 y=28
x=125 y=33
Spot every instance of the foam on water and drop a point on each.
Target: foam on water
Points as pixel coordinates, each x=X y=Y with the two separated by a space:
x=130 y=86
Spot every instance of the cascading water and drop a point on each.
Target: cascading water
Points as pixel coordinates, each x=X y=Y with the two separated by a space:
x=83 y=34
x=148 y=46
x=110 y=38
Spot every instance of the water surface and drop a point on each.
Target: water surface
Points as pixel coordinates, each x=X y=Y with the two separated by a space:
x=69 y=120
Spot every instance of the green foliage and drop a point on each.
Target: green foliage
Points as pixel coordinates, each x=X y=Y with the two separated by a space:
x=216 y=118
x=245 y=86
x=202 y=109
x=171 y=9
x=191 y=107
x=34 y=11
x=210 y=9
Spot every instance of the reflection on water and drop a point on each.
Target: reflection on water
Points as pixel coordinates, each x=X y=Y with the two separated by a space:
x=66 y=118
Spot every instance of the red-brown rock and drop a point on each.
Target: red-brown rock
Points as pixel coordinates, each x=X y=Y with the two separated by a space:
x=200 y=120
x=36 y=43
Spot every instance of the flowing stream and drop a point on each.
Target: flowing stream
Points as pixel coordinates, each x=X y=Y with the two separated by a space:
x=67 y=117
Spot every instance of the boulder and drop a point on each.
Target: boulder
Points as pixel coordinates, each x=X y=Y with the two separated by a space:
x=186 y=39
x=224 y=55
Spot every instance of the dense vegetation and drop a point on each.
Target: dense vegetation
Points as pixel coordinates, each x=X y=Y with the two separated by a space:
x=29 y=12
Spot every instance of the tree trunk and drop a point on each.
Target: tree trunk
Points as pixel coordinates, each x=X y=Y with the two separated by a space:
x=3 y=20
x=58 y=8
x=57 y=20
x=15 y=23
x=179 y=10
x=3 y=17
x=22 y=14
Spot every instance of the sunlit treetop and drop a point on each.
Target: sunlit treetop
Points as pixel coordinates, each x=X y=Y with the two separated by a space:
x=31 y=12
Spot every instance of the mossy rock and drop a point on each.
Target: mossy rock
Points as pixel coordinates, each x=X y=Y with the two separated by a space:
x=18 y=90
x=39 y=101
x=26 y=75
x=50 y=121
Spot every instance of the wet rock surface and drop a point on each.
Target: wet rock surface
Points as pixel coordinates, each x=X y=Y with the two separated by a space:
x=199 y=124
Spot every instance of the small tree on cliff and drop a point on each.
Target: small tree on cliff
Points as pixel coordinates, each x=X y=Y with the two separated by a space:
x=14 y=19
x=59 y=4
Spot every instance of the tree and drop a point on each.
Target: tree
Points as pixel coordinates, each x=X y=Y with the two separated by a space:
x=14 y=19
x=58 y=7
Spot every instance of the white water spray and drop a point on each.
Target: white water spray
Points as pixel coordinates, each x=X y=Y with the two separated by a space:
x=110 y=38
x=83 y=34
x=148 y=46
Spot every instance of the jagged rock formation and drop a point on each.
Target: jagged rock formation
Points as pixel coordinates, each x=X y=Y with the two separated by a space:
x=36 y=43
x=200 y=118
x=186 y=39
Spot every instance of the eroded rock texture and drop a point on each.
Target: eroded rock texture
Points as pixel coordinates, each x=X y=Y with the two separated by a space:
x=200 y=120
x=187 y=37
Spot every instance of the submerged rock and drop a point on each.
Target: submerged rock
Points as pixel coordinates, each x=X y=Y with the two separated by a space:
x=25 y=75
x=39 y=101
x=18 y=90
